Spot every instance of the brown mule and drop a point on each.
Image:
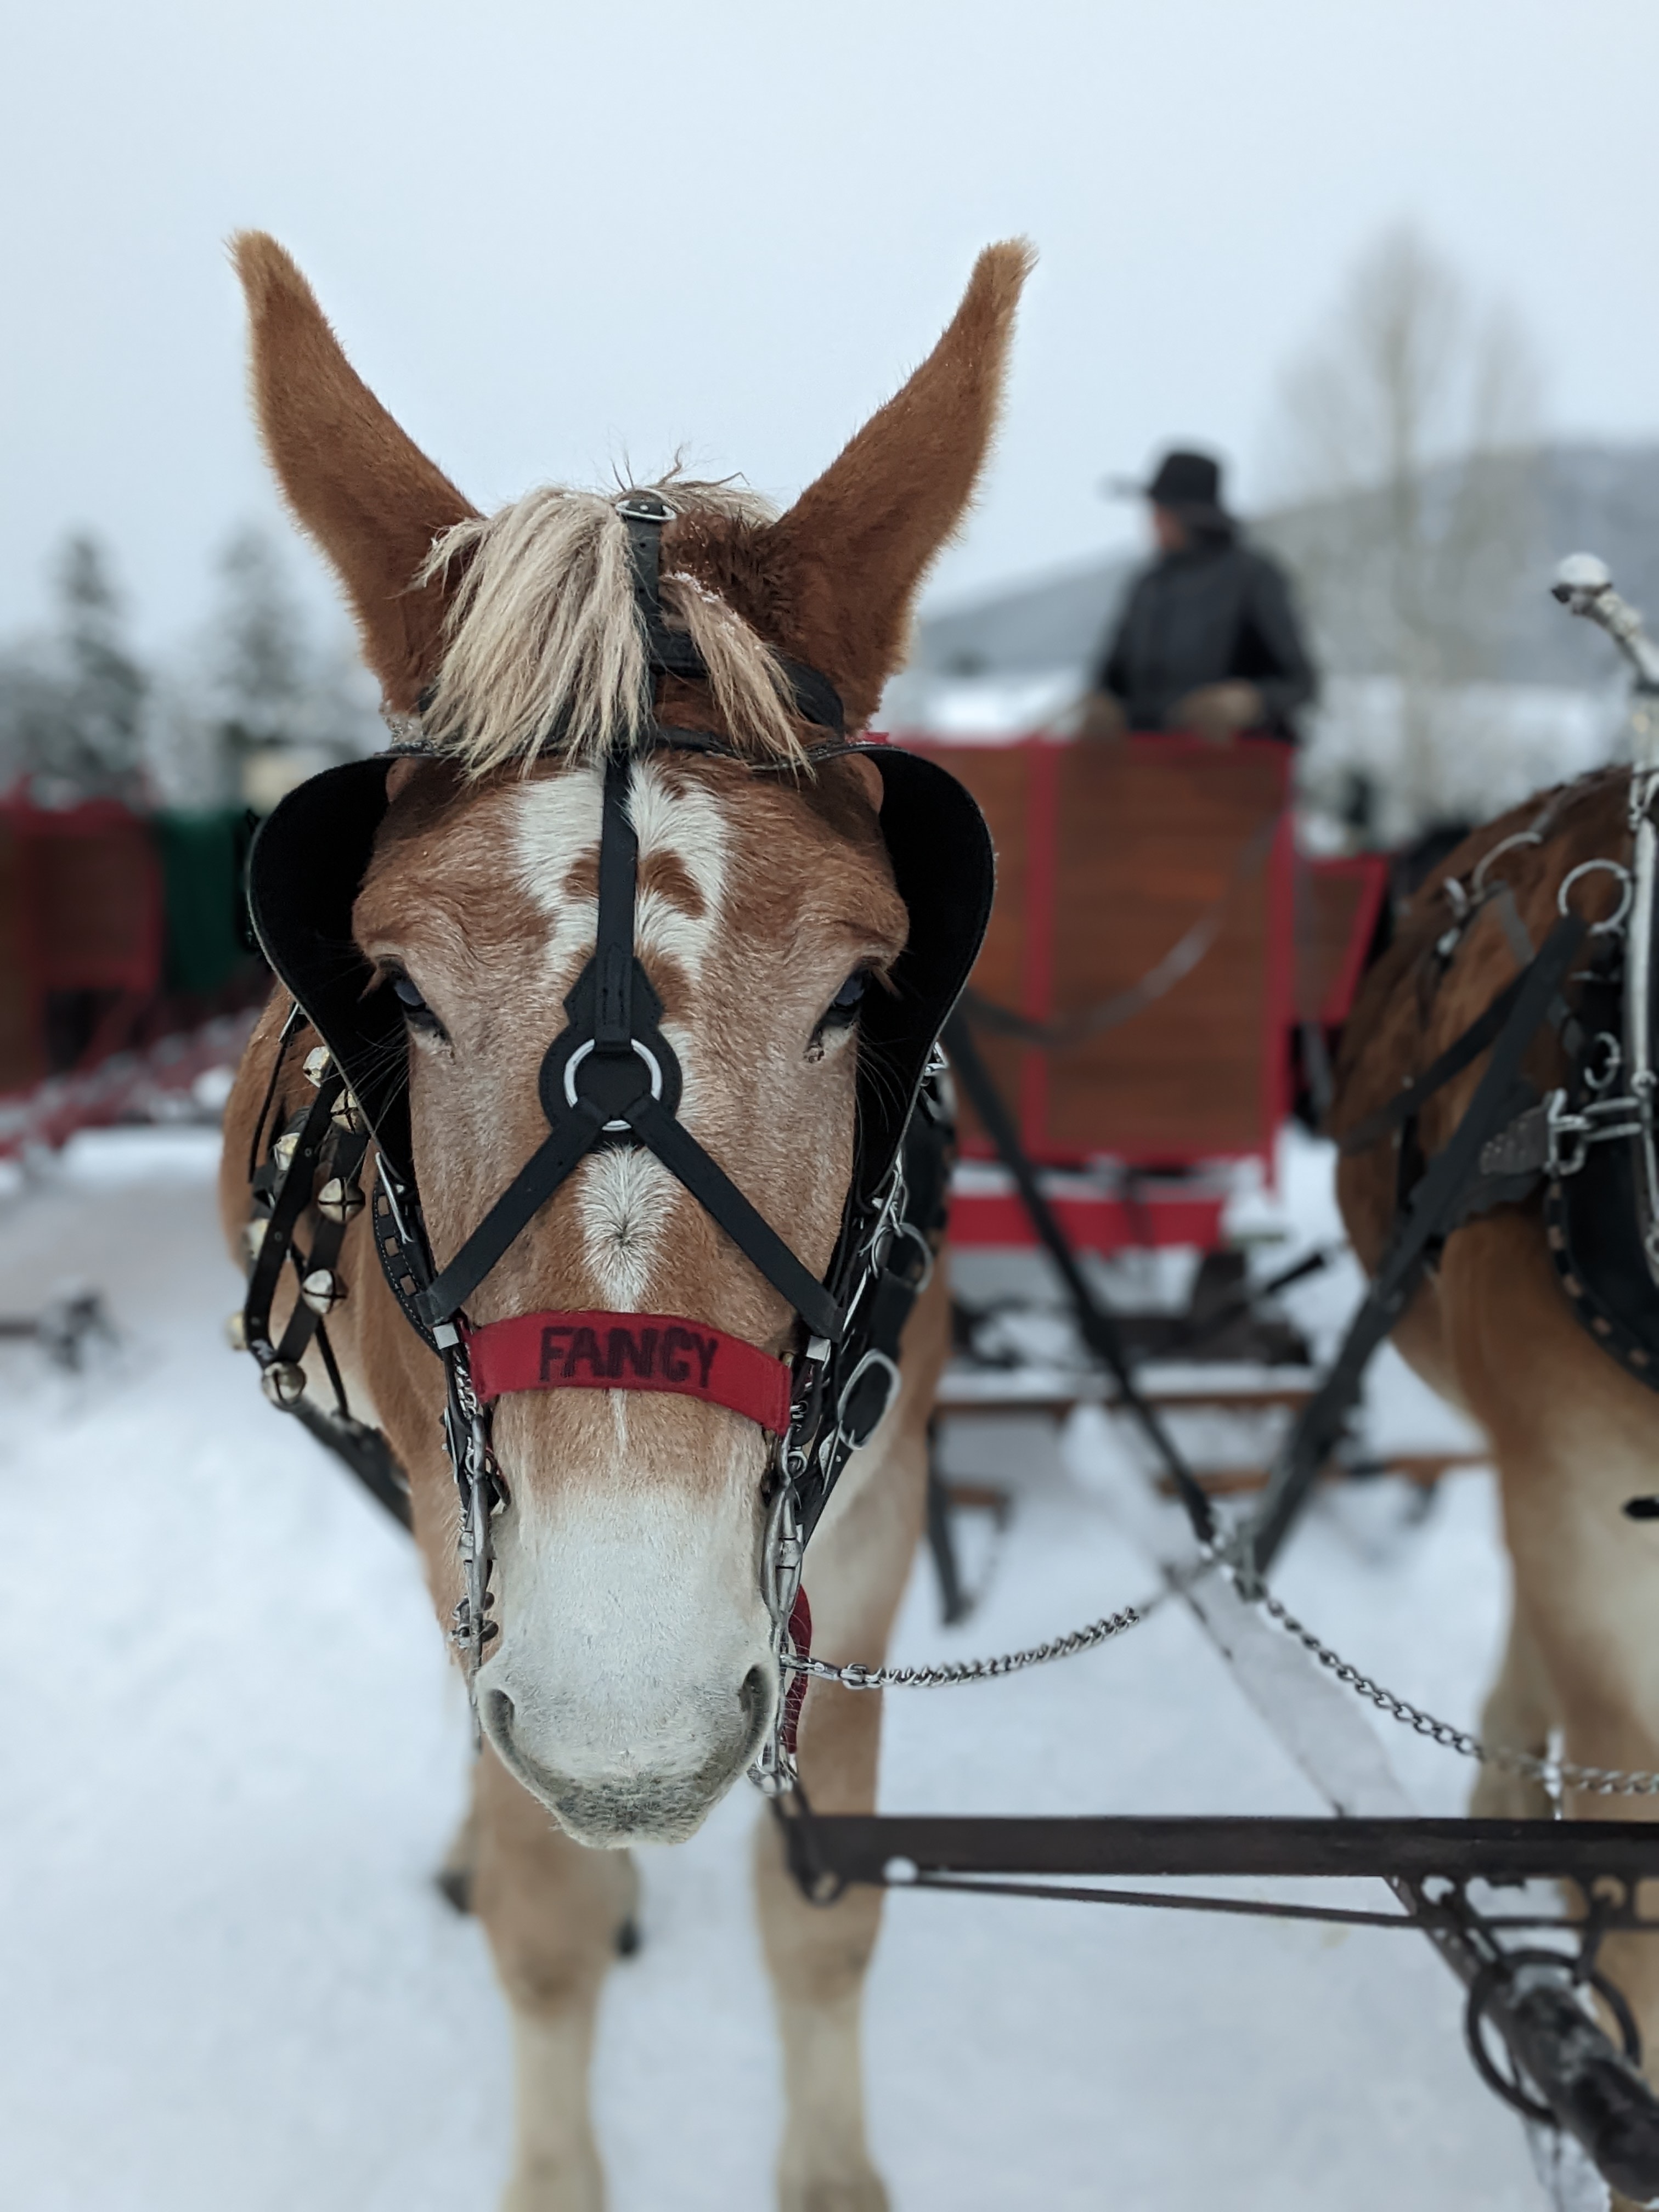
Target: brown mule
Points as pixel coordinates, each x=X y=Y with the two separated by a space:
x=633 y=1632
x=1573 y=1433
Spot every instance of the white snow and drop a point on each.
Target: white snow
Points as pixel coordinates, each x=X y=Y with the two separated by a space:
x=232 y=1754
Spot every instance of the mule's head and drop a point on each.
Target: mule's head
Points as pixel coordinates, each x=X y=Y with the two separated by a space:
x=632 y=1679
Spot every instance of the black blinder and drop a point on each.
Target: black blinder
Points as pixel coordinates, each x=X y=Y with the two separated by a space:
x=306 y=868
x=311 y=855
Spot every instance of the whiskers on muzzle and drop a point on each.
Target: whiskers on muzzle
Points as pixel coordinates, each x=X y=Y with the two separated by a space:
x=637 y=1799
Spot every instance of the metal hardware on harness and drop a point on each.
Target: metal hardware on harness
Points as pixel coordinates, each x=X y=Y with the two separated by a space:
x=483 y=1494
x=1615 y=921
x=1549 y=1140
x=1437 y=1206
x=783 y=1553
x=909 y=1230
x=652 y=1064
x=1477 y=890
x=1638 y=1010
x=645 y=506
x=1583 y=585
x=854 y=1434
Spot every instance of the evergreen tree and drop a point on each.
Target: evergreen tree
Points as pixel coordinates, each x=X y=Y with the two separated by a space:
x=103 y=739
x=260 y=676
x=73 y=704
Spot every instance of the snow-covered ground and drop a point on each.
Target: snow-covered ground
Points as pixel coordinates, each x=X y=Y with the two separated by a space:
x=233 y=1754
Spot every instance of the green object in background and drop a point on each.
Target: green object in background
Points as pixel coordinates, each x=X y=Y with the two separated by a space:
x=202 y=860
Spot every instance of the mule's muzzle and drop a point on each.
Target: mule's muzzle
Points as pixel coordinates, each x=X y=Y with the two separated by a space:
x=626 y=1798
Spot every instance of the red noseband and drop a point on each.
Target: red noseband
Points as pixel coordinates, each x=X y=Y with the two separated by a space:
x=629 y=1351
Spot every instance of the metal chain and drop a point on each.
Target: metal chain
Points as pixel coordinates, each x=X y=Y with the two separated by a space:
x=1556 y=1774
x=946 y=1672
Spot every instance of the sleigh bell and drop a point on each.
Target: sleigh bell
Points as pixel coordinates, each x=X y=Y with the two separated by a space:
x=254 y=1237
x=316 y=1063
x=348 y=1115
x=236 y=1330
x=284 y=1383
x=323 y=1290
x=339 y=1199
x=283 y=1150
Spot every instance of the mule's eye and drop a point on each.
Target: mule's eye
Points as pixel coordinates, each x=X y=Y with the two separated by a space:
x=417 y=1012
x=842 y=1010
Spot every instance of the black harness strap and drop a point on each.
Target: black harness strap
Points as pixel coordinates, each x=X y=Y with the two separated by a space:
x=1439 y=1203
x=1095 y=1324
x=293 y=1196
x=613 y=942
x=553 y=1163
x=611 y=1072
x=620 y=1061
x=1408 y=1099
x=719 y=1197
x=673 y=652
x=294 y=1022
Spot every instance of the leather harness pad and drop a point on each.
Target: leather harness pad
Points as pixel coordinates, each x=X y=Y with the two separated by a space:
x=1592 y=1223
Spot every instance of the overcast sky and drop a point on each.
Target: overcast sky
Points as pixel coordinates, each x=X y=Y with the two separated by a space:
x=553 y=236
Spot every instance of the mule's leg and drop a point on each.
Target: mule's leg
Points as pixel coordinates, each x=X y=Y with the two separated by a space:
x=1575 y=1438
x=454 y=1880
x=553 y=1913
x=817 y=1954
x=1520 y=1710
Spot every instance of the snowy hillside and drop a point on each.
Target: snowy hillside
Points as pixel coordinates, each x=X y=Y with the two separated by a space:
x=233 y=1754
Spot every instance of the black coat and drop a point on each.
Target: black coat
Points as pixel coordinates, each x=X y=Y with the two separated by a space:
x=1213 y=613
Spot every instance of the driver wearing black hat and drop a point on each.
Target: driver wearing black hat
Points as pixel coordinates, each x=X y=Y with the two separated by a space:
x=1207 y=640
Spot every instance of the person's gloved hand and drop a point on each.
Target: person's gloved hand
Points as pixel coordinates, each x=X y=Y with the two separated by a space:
x=1218 y=712
x=1102 y=716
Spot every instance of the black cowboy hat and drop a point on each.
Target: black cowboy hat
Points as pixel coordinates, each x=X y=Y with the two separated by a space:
x=1188 y=484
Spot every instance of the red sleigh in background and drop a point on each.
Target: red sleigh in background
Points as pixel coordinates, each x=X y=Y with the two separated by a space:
x=1156 y=947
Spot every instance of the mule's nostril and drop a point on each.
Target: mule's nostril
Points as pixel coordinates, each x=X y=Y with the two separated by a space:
x=750 y=1697
x=498 y=1714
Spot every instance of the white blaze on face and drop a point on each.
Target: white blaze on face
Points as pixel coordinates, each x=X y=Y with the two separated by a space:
x=626 y=1197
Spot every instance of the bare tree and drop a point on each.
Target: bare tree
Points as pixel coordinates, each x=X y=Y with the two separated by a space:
x=1405 y=445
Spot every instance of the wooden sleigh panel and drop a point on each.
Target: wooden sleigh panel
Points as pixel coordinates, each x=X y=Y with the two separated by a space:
x=1338 y=904
x=1111 y=859
x=80 y=911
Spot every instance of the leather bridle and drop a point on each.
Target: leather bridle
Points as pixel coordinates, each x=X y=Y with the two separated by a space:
x=611 y=1077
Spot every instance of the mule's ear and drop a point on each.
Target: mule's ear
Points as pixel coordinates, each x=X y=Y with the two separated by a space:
x=359 y=486
x=856 y=545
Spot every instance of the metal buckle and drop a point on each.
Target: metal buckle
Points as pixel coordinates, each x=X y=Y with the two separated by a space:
x=645 y=506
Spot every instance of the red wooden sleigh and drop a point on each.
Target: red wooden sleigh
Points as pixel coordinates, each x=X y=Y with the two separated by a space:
x=1153 y=919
